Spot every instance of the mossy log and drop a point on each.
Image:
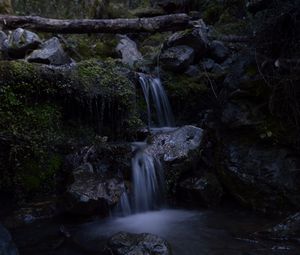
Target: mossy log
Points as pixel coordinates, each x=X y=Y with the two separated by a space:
x=81 y=26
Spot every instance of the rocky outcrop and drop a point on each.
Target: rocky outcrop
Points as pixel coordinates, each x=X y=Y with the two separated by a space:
x=177 y=58
x=143 y=244
x=129 y=51
x=97 y=178
x=7 y=247
x=262 y=177
x=50 y=53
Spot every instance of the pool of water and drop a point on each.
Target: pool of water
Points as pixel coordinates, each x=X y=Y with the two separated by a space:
x=188 y=232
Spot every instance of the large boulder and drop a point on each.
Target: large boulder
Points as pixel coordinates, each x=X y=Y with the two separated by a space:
x=195 y=38
x=129 y=51
x=51 y=52
x=21 y=42
x=177 y=58
x=137 y=244
x=262 y=177
x=175 y=145
x=7 y=247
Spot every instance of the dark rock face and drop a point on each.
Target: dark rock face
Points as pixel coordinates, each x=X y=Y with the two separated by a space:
x=177 y=58
x=129 y=51
x=262 y=177
x=287 y=230
x=176 y=144
x=143 y=244
x=20 y=42
x=7 y=247
x=195 y=38
x=203 y=191
x=219 y=52
x=51 y=52
x=97 y=179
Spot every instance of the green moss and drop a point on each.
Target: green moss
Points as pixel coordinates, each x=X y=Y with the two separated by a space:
x=212 y=13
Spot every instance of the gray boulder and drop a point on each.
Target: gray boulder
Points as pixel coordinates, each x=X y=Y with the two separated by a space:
x=21 y=42
x=7 y=247
x=177 y=58
x=262 y=177
x=175 y=145
x=129 y=51
x=195 y=38
x=51 y=53
x=137 y=244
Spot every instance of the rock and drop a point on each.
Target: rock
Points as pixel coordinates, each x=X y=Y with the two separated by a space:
x=192 y=71
x=175 y=145
x=97 y=178
x=177 y=58
x=203 y=191
x=195 y=38
x=262 y=177
x=129 y=51
x=287 y=230
x=137 y=244
x=218 y=51
x=7 y=247
x=21 y=42
x=50 y=53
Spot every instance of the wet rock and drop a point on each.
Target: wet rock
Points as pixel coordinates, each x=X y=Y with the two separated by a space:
x=175 y=145
x=143 y=244
x=262 y=177
x=219 y=52
x=7 y=247
x=129 y=51
x=196 y=39
x=203 y=191
x=177 y=58
x=97 y=178
x=50 y=53
x=287 y=230
x=21 y=42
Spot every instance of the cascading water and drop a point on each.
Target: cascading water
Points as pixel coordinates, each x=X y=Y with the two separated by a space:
x=154 y=93
x=147 y=173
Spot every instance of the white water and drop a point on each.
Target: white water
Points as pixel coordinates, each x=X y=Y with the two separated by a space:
x=155 y=94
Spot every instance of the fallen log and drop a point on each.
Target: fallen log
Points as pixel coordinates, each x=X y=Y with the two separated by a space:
x=171 y=22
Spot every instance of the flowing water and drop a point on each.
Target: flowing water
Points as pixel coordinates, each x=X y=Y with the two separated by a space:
x=156 y=96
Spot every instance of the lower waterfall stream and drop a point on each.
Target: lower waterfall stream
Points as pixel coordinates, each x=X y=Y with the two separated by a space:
x=142 y=210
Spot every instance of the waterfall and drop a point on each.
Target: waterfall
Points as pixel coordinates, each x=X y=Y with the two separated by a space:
x=147 y=173
x=154 y=93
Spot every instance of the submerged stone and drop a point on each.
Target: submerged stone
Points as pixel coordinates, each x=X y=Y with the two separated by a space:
x=124 y=243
